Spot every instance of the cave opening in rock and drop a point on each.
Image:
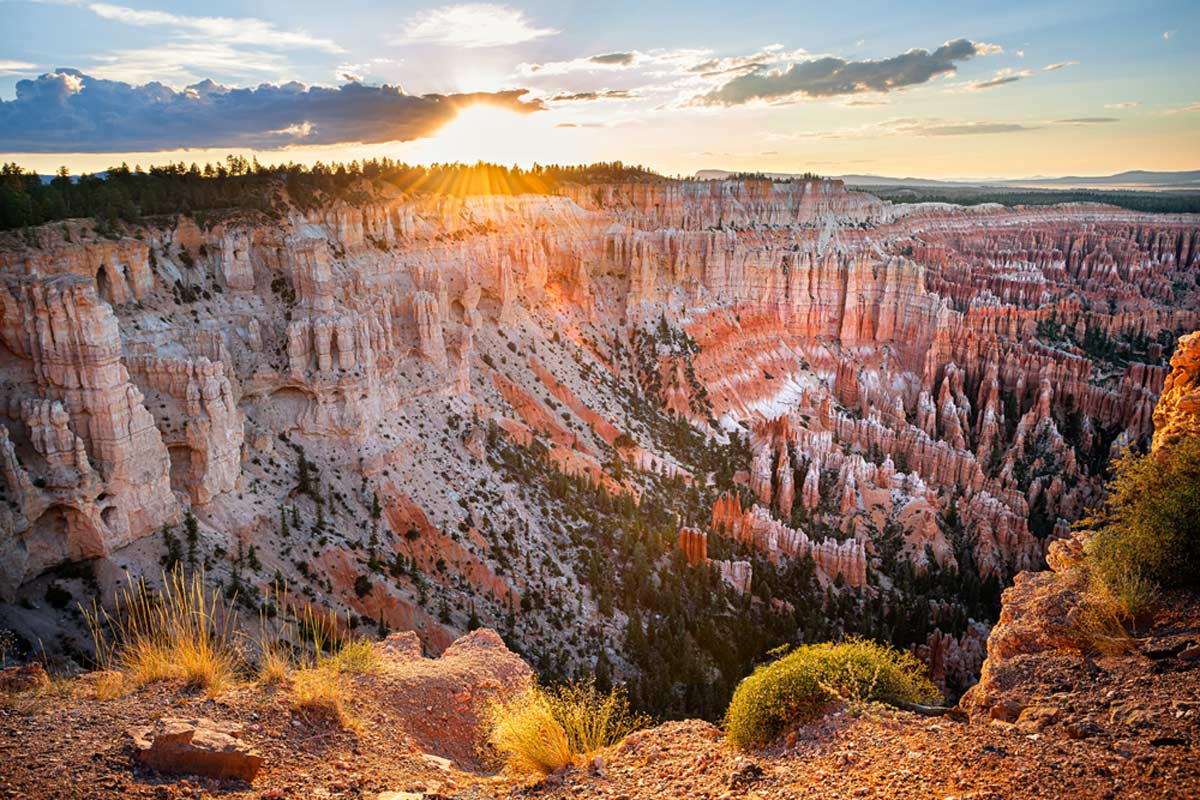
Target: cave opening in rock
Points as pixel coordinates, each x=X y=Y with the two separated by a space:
x=62 y=533
x=183 y=469
x=103 y=289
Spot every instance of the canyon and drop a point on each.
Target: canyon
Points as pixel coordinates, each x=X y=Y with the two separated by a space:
x=799 y=401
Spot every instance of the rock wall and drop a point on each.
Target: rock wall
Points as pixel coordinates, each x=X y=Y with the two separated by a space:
x=85 y=465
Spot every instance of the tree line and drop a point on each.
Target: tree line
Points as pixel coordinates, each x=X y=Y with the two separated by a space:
x=238 y=184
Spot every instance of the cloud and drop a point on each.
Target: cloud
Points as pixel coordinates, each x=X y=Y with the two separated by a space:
x=69 y=111
x=183 y=62
x=932 y=128
x=471 y=25
x=830 y=76
x=1125 y=104
x=1001 y=78
x=618 y=59
x=606 y=94
x=229 y=30
x=1085 y=121
x=908 y=126
x=1167 y=35
x=1058 y=65
x=992 y=83
x=1188 y=109
x=15 y=67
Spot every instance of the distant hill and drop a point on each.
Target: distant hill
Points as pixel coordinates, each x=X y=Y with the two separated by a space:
x=1143 y=180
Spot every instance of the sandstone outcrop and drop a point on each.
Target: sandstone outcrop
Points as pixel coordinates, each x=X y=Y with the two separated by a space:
x=196 y=747
x=86 y=468
x=1177 y=415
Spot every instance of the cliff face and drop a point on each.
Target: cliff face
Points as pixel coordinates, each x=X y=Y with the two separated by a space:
x=86 y=468
x=929 y=385
x=1039 y=618
x=1177 y=415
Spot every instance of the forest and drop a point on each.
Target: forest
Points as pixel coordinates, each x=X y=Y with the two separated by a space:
x=1166 y=202
x=126 y=194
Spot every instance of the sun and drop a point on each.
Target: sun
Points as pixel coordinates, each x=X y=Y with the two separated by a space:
x=489 y=133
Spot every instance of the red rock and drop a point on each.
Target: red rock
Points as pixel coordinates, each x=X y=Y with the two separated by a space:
x=196 y=747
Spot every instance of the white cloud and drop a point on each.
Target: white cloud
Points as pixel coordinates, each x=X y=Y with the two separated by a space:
x=471 y=25
x=180 y=63
x=909 y=126
x=1188 y=109
x=1058 y=65
x=1002 y=77
x=227 y=30
x=298 y=131
x=1125 y=104
x=16 y=67
x=1167 y=35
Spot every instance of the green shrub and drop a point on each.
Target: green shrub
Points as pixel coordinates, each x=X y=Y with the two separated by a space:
x=1147 y=533
x=796 y=687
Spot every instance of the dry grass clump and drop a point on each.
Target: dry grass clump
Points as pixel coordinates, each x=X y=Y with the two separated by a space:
x=319 y=693
x=109 y=684
x=1098 y=625
x=356 y=658
x=796 y=687
x=181 y=632
x=184 y=632
x=540 y=730
x=315 y=654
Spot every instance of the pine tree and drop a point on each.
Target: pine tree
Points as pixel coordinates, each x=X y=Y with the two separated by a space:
x=192 y=533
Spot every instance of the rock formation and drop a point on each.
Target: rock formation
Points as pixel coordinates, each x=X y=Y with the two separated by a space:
x=1177 y=415
x=418 y=383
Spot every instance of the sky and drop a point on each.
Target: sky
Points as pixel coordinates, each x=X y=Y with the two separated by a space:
x=940 y=90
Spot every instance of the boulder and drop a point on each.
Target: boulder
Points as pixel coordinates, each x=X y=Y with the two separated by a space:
x=196 y=747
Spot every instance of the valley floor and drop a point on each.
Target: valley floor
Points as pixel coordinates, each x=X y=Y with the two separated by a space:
x=1115 y=727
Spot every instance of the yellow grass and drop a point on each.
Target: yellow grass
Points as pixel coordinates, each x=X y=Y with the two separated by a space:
x=316 y=654
x=526 y=735
x=1099 y=627
x=182 y=632
x=319 y=693
x=540 y=730
x=356 y=657
x=109 y=684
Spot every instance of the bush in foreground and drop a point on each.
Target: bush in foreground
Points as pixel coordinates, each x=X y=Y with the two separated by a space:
x=1147 y=532
x=540 y=730
x=796 y=687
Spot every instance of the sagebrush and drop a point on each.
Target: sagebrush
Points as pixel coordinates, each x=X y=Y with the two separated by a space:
x=799 y=685
x=1147 y=532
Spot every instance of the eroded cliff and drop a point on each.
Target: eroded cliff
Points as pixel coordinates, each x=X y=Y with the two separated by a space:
x=388 y=404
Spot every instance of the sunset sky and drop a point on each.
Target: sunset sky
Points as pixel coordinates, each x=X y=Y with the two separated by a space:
x=969 y=89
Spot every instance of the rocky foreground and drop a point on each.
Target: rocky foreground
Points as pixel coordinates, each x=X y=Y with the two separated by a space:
x=1070 y=726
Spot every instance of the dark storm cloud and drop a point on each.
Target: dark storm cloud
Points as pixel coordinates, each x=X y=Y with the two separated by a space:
x=618 y=59
x=831 y=76
x=68 y=111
